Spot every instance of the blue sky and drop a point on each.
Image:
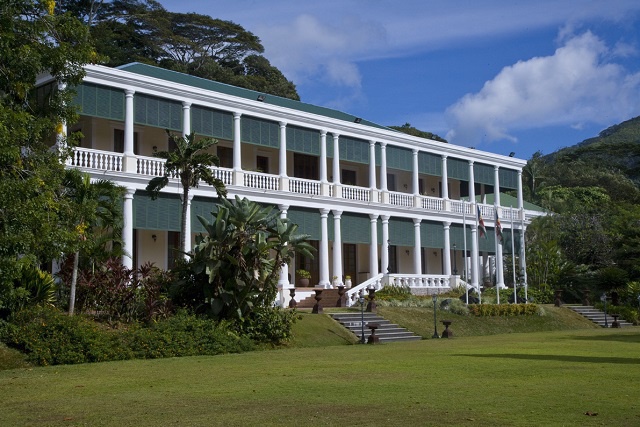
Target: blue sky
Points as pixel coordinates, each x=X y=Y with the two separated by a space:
x=500 y=76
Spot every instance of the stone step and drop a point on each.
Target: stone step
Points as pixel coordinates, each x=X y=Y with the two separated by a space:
x=597 y=316
x=330 y=299
x=386 y=331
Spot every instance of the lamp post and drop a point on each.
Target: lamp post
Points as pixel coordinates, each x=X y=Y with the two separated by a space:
x=455 y=261
x=603 y=298
x=435 y=320
x=361 y=301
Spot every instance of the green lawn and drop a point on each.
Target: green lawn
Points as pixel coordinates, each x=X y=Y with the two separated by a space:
x=528 y=379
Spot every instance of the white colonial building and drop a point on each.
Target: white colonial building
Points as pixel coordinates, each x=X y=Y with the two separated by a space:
x=380 y=206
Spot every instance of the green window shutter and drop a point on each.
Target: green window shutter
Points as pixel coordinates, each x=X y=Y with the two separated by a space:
x=431 y=234
x=401 y=232
x=430 y=164
x=100 y=101
x=202 y=206
x=508 y=178
x=458 y=169
x=355 y=228
x=483 y=174
x=301 y=140
x=213 y=123
x=399 y=158
x=260 y=132
x=161 y=214
x=157 y=112
x=354 y=150
x=308 y=221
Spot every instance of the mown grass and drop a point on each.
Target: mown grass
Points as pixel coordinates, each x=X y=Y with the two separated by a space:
x=549 y=378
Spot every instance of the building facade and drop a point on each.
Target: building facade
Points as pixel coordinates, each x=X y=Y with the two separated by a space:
x=378 y=204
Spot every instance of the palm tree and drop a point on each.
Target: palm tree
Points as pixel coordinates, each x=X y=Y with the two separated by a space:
x=96 y=208
x=191 y=163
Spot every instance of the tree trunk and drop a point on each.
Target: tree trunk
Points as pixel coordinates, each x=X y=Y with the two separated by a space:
x=74 y=280
x=183 y=222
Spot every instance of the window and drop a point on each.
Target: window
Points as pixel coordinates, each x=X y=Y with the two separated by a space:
x=305 y=166
x=310 y=264
x=262 y=164
x=391 y=182
x=225 y=154
x=348 y=177
x=118 y=141
x=173 y=246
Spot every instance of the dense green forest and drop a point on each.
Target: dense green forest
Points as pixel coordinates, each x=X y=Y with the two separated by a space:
x=591 y=240
x=124 y=31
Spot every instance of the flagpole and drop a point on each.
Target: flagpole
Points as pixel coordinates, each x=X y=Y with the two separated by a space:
x=523 y=257
x=495 y=258
x=513 y=261
x=464 y=236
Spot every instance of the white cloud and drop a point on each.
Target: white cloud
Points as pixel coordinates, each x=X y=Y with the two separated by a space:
x=575 y=85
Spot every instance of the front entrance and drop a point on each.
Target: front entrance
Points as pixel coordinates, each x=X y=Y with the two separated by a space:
x=350 y=261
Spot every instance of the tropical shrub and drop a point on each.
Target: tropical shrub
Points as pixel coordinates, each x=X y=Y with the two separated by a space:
x=268 y=324
x=49 y=337
x=487 y=310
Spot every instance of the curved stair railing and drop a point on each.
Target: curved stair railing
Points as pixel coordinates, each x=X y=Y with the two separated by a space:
x=375 y=282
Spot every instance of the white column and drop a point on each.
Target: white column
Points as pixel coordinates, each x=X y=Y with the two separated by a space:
x=472 y=185
x=384 y=256
x=284 y=180
x=445 y=181
x=337 y=246
x=127 y=229
x=474 y=253
x=130 y=163
x=520 y=198
x=383 y=173
x=238 y=176
x=372 y=170
x=417 y=247
x=283 y=281
x=337 y=187
x=324 y=249
x=187 y=230
x=373 y=248
x=283 y=149
x=414 y=173
x=496 y=192
x=523 y=257
x=324 y=182
x=186 y=118
x=447 y=249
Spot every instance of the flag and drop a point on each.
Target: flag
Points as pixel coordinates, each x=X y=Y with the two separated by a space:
x=498 y=227
x=481 y=228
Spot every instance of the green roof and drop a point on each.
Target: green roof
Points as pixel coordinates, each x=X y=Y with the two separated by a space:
x=201 y=83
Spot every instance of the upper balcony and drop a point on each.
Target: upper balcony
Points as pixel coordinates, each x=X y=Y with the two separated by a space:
x=144 y=167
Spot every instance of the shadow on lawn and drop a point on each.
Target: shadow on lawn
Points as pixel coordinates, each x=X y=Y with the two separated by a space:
x=561 y=358
x=635 y=338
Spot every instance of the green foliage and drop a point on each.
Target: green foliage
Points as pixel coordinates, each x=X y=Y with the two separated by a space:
x=191 y=163
x=49 y=337
x=541 y=295
x=33 y=214
x=125 y=31
x=268 y=325
x=390 y=292
x=303 y=274
x=242 y=253
x=410 y=130
x=487 y=310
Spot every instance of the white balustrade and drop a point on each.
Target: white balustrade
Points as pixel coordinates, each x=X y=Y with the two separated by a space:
x=352 y=192
x=95 y=159
x=432 y=203
x=304 y=186
x=223 y=174
x=151 y=166
x=419 y=281
x=400 y=199
x=260 y=180
x=374 y=283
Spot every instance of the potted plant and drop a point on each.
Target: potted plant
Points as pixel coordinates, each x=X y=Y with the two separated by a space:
x=303 y=278
x=347 y=282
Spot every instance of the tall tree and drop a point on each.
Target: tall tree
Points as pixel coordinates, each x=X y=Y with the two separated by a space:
x=190 y=163
x=96 y=205
x=34 y=41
